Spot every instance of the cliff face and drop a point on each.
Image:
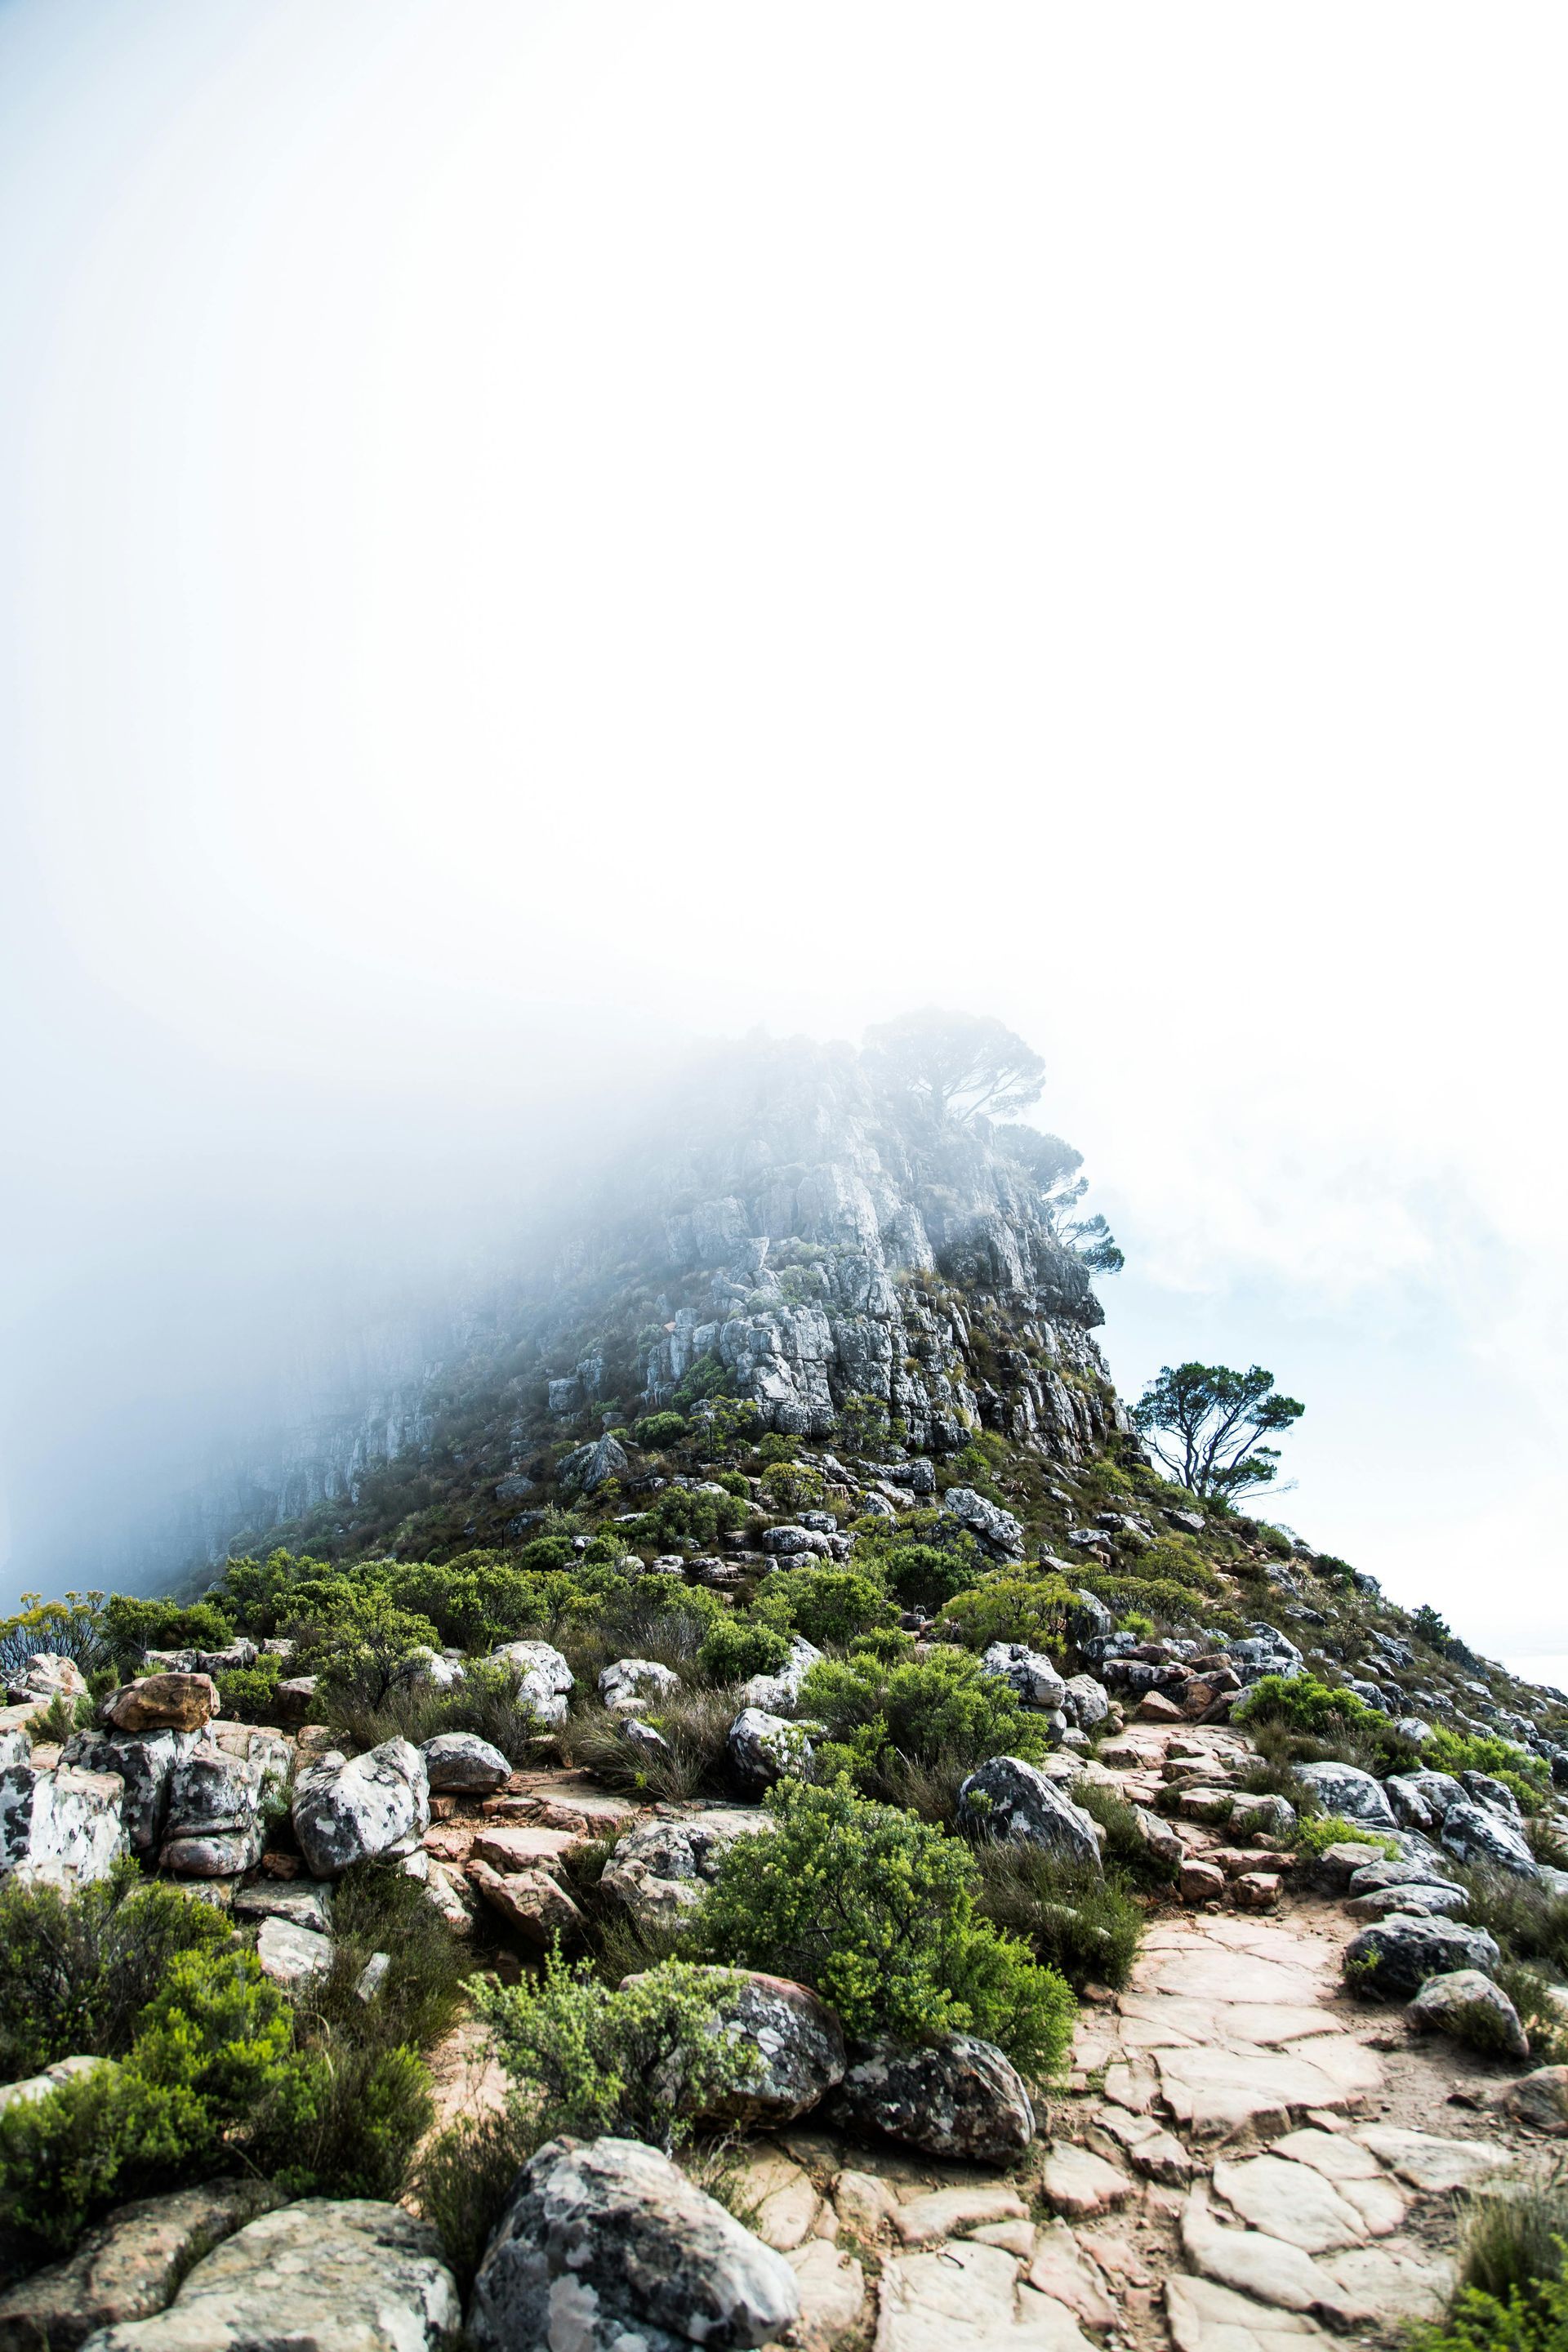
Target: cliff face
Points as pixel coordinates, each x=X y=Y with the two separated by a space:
x=794 y=1234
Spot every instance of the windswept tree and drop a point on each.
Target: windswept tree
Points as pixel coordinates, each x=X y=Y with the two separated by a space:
x=1207 y=1424
x=960 y=1066
x=1054 y=1165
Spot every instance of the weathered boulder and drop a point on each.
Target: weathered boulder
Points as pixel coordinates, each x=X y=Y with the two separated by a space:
x=631 y=1685
x=787 y=1542
x=60 y=1828
x=1029 y=1673
x=1468 y=2008
x=997 y=1529
x=529 y=1899
x=127 y=2268
x=46 y=1676
x=1388 y=1871
x=1494 y=1795
x=462 y=1763
x=327 y=2274
x=1475 y=1833
x=956 y=2096
x=1382 y=1902
x=661 y=1868
x=38 y=2086
x=294 y=1700
x=775 y=1692
x=1539 y=2100
x=766 y=1747
x=1261 y=1814
x=543 y=1676
x=161 y=1703
x=1087 y=1701
x=591 y=1467
x=1264 y=1650
x=289 y=1953
x=1354 y=1795
x=216 y=1824
x=1395 y=1955
x=1009 y=1798
x=606 y=2246
x=795 y=2042
x=650 y=1744
x=1088 y=1619
x=307 y=1902
x=351 y=1811
x=144 y=1763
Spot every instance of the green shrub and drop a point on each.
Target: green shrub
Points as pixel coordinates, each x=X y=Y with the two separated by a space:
x=641 y=2061
x=1513 y=2274
x=924 y=1575
x=481 y=1598
x=657 y=1430
x=864 y=1424
x=1008 y=1607
x=737 y=1647
x=545 y=1552
x=705 y=1379
x=1315 y=1833
x=940 y=1708
x=1300 y=1703
x=1124 y=1853
x=1528 y=1921
x=1176 y=1560
x=77 y=1971
x=828 y=1605
x=1544 y=2021
x=789 y=1487
x=1085 y=1926
x=131 y=1626
x=249 y=1693
x=366 y=1648
x=1529 y=1777
x=1486 y=2323
x=345 y=2120
x=695 y=1728
x=877 y=1911
x=485 y=1702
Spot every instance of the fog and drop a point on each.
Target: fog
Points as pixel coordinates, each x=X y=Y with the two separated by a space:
x=532 y=536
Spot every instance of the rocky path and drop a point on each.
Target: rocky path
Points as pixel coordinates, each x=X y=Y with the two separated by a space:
x=1246 y=2157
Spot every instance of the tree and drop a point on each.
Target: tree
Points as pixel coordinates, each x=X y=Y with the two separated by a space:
x=1213 y=1422
x=960 y=1066
x=1054 y=1165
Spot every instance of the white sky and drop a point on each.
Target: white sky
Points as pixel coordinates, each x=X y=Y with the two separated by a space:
x=521 y=521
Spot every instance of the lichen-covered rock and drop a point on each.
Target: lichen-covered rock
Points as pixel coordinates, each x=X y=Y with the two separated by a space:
x=591 y=1467
x=128 y=2267
x=46 y=1676
x=1475 y=1833
x=787 y=1542
x=528 y=1900
x=543 y=1676
x=59 y=1828
x=956 y=2096
x=1265 y=1650
x=795 y=2042
x=775 y=1692
x=289 y=1953
x=307 y=1902
x=650 y=1744
x=215 y=1825
x=1468 y=2008
x=1029 y=1673
x=1087 y=1701
x=997 y=1529
x=1009 y=1798
x=462 y=1763
x=1395 y=1955
x=766 y=1747
x=607 y=2247
x=327 y=2274
x=176 y=1702
x=631 y=1685
x=144 y=1762
x=1354 y=1795
x=351 y=1811
x=660 y=1869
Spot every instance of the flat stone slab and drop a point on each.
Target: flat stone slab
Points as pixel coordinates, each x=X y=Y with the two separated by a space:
x=832 y=2293
x=1251 y=2263
x=1336 y=2155
x=520 y=1845
x=1429 y=2163
x=1209 y=1975
x=1205 y=2316
x=1150 y=2020
x=945 y=2210
x=968 y=2299
x=1356 y=2069
x=1291 y=2201
x=1058 y=2267
x=1077 y=2182
x=1392 y=2284
x=1212 y=2092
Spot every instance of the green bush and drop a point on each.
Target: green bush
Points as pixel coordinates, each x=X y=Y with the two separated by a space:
x=1008 y=1607
x=73 y=1628
x=657 y=1430
x=1315 y=1833
x=1513 y=2275
x=545 y=1552
x=924 y=1575
x=478 y=1600
x=877 y=1911
x=1529 y=1777
x=939 y=1708
x=77 y=1971
x=828 y=1605
x=737 y=1647
x=1300 y=1703
x=640 y=2062
x=366 y=1648
x=705 y=1379
x=1086 y=1927
x=249 y=1693
x=1176 y=1560
x=131 y=1626
x=790 y=1486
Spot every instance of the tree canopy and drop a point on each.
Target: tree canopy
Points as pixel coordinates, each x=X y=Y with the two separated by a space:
x=961 y=1066
x=1206 y=1423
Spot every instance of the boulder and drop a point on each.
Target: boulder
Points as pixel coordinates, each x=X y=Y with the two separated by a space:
x=1395 y=1955
x=766 y=1747
x=530 y=1900
x=787 y=1542
x=591 y=1467
x=1009 y=1798
x=289 y=1954
x=462 y=1763
x=1262 y=1815
x=144 y=1763
x=795 y=2039
x=660 y=1869
x=775 y=1692
x=1387 y=1871
x=632 y=1685
x=305 y=1902
x=59 y=1828
x=346 y=1813
x=294 y=1700
x=996 y=1529
x=46 y=1676
x=650 y=1744
x=1468 y=2008
x=1495 y=1796
x=1087 y=1701
x=606 y=2246
x=543 y=1676
x=1030 y=1674
x=127 y=2268
x=38 y=2086
x=1264 y=1650
x=955 y=2096
x=330 y=2274
x=1428 y=1792
x=175 y=1701
x=1539 y=2100
x=1354 y=1795
x=1088 y=1619
x=1382 y=1902
x=216 y=1824
x=1475 y=1833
